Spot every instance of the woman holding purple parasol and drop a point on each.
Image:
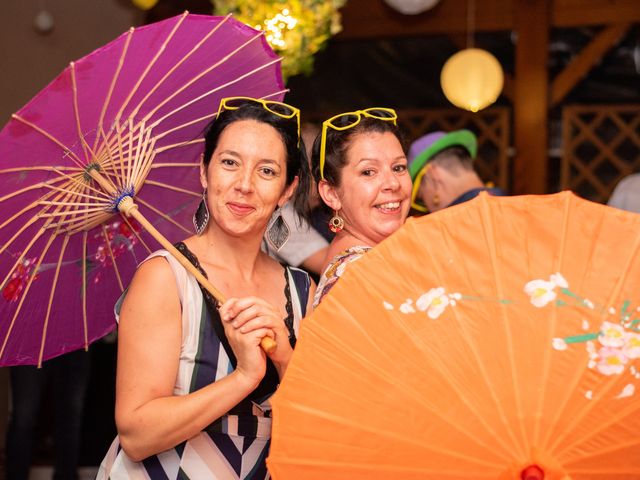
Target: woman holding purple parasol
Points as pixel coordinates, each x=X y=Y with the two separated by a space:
x=193 y=383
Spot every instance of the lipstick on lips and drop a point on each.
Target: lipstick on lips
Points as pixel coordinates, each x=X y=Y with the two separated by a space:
x=240 y=209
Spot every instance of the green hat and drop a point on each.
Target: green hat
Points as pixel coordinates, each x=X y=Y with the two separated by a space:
x=427 y=146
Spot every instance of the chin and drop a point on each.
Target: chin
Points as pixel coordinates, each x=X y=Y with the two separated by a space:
x=389 y=229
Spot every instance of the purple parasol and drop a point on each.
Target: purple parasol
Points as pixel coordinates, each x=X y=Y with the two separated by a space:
x=124 y=122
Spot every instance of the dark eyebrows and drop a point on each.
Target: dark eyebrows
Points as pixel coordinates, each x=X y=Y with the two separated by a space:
x=235 y=154
x=269 y=160
x=230 y=152
x=399 y=157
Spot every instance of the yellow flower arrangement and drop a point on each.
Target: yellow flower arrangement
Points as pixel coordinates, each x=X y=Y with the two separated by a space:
x=295 y=29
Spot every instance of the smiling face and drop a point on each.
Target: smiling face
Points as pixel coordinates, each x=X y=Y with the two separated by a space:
x=246 y=177
x=375 y=187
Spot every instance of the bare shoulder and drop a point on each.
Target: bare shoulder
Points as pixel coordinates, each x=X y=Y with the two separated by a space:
x=155 y=272
x=152 y=289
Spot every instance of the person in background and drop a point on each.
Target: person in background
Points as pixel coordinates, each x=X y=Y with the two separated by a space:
x=305 y=247
x=68 y=377
x=626 y=195
x=441 y=168
x=193 y=385
x=360 y=167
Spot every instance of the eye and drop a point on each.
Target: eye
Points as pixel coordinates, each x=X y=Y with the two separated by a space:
x=228 y=162
x=268 y=171
x=400 y=168
x=369 y=172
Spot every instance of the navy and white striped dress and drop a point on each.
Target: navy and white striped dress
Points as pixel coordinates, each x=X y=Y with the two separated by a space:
x=236 y=445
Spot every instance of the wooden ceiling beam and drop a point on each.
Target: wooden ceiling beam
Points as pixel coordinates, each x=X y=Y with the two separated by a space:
x=578 y=13
x=587 y=58
x=365 y=19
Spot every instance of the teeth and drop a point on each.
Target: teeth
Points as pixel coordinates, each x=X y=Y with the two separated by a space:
x=389 y=205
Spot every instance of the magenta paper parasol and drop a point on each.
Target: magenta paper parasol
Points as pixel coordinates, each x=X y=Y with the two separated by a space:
x=123 y=123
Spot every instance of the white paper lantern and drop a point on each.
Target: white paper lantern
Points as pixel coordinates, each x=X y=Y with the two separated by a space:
x=43 y=23
x=411 y=7
x=472 y=79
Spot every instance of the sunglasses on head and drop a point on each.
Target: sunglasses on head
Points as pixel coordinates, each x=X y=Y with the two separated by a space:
x=280 y=109
x=416 y=203
x=347 y=120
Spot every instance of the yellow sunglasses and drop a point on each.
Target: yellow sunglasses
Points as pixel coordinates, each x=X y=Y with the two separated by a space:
x=280 y=109
x=347 y=120
x=414 y=191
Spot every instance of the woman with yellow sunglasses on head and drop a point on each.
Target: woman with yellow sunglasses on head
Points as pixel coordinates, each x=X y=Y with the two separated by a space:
x=361 y=169
x=193 y=385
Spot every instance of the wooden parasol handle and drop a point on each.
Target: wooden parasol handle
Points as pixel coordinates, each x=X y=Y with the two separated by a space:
x=130 y=209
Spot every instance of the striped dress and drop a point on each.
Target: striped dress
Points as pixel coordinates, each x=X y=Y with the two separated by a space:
x=236 y=445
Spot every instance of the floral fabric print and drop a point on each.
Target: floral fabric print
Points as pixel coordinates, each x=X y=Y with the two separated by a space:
x=335 y=269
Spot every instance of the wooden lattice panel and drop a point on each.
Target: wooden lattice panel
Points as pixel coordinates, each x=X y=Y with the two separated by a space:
x=601 y=145
x=491 y=126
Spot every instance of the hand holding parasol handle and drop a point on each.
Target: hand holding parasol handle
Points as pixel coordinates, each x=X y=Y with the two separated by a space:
x=127 y=206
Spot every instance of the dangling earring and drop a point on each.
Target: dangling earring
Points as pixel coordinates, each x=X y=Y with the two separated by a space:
x=201 y=217
x=278 y=231
x=436 y=200
x=336 y=223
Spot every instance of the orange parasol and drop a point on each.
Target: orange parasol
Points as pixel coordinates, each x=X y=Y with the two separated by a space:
x=498 y=339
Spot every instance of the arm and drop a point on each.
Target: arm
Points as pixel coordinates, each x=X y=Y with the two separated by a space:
x=315 y=262
x=149 y=417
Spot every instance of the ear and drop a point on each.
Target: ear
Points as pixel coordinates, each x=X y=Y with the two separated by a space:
x=435 y=175
x=203 y=173
x=329 y=195
x=288 y=192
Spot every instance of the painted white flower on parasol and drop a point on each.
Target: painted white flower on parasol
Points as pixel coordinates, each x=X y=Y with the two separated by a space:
x=612 y=335
x=541 y=292
x=434 y=302
x=611 y=361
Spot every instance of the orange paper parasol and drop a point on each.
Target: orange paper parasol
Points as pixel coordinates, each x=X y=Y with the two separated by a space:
x=499 y=339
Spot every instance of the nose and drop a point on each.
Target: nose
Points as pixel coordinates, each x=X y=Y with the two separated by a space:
x=244 y=182
x=391 y=181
